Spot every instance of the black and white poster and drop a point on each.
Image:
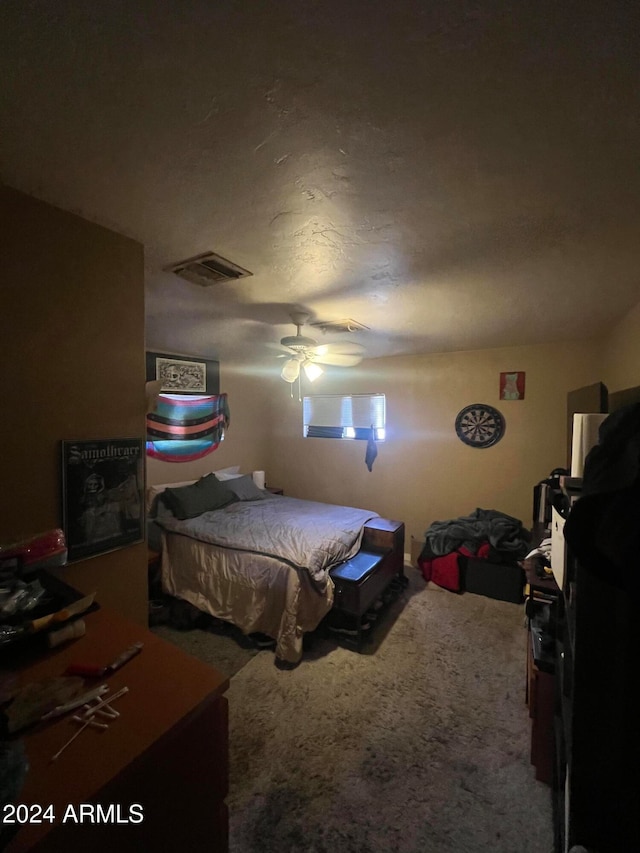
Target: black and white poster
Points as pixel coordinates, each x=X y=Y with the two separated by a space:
x=102 y=495
x=181 y=374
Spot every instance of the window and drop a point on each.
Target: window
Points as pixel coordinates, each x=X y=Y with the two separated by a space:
x=351 y=416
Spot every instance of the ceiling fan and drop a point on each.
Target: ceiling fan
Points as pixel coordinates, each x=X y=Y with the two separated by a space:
x=306 y=354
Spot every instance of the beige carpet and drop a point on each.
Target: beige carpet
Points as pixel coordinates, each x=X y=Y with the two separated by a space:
x=223 y=647
x=419 y=745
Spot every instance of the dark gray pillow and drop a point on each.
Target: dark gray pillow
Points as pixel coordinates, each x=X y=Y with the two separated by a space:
x=205 y=495
x=245 y=489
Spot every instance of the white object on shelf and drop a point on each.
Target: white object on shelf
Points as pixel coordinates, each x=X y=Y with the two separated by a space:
x=558 y=547
x=585 y=436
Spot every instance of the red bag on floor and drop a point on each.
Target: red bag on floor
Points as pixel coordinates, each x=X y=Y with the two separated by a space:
x=445 y=571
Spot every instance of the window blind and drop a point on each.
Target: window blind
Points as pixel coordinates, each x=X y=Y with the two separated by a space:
x=344 y=416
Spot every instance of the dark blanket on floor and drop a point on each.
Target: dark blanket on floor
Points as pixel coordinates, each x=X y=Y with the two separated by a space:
x=505 y=534
x=486 y=533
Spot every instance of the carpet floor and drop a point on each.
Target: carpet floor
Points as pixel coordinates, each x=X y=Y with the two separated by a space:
x=419 y=744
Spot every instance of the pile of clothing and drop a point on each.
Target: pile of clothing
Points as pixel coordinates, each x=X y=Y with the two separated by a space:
x=486 y=534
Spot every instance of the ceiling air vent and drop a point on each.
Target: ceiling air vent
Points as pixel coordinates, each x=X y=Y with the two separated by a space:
x=340 y=326
x=207 y=269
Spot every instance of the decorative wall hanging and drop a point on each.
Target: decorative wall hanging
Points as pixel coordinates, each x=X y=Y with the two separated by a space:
x=181 y=429
x=512 y=385
x=188 y=415
x=480 y=425
x=181 y=374
x=102 y=495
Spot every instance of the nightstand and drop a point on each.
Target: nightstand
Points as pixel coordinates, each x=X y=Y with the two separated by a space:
x=274 y=490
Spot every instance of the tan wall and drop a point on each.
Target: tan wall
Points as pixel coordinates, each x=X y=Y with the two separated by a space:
x=423 y=471
x=246 y=441
x=72 y=337
x=621 y=356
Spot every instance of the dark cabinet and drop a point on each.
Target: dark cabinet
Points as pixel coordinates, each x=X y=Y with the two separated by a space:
x=540 y=700
x=541 y=608
x=597 y=780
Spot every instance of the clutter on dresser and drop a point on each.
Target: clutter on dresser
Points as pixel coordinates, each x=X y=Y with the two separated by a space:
x=97 y=706
x=43 y=550
x=35 y=606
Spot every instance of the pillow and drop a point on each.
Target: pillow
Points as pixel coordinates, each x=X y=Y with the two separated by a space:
x=154 y=491
x=205 y=495
x=223 y=477
x=245 y=489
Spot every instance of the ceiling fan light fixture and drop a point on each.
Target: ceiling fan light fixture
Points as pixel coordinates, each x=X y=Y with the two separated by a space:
x=312 y=371
x=304 y=354
x=291 y=370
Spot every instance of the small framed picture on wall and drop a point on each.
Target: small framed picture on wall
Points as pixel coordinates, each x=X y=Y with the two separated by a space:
x=512 y=385
x=180 y=374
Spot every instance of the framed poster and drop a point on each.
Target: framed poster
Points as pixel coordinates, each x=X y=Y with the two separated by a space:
x=102 y=495
x=512 y=385
x=181 y=374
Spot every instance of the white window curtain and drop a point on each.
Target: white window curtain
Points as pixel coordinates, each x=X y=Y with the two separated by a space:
x=349 y=416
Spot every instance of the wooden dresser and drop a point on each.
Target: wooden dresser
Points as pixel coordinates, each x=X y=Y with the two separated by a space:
x=166 y=754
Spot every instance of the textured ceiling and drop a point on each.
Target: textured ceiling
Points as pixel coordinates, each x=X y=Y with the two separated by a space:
x=453 y=175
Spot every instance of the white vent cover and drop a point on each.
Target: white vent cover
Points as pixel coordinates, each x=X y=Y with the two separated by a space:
x=340 y=326
x=207 y=269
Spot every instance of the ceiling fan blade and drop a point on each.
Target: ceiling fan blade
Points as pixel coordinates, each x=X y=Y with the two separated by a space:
x=291 y=370
x=347 y=348
x=337 y=359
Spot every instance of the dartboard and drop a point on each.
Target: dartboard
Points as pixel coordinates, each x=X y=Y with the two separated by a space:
x=480 y=425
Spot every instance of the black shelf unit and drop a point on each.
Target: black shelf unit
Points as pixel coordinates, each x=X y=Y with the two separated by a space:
x=597 y=773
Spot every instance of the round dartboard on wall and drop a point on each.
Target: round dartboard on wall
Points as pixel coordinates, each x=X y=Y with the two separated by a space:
x=480 y=425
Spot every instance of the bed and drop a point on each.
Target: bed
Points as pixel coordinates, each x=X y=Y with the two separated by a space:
x=257 y=560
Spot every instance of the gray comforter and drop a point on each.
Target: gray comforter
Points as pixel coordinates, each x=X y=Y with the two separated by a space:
x=305 y=534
